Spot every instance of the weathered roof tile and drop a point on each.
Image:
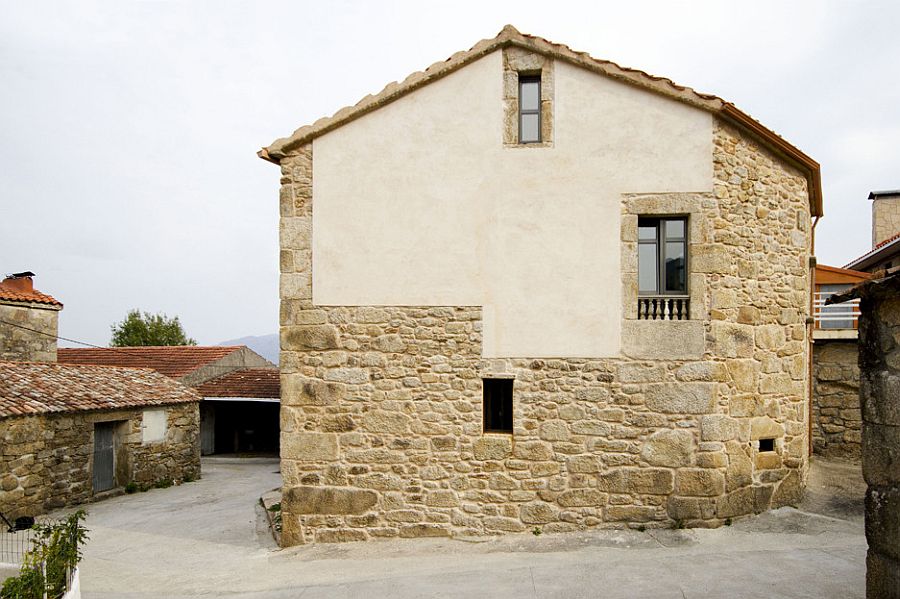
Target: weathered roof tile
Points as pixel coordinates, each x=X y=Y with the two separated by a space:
x=40 y=387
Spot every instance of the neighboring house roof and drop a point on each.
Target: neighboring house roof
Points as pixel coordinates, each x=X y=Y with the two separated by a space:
x=886 y=286
x=252 y=382
x=40 y=387
x=873 y=256
x=9 y=291
x=510 y=36
x=826 y=275
x=173 y=361
x=886 y=193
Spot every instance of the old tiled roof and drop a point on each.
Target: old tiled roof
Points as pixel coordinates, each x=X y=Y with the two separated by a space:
x=252 y=382
x=43 y=387
x=867 y=258
x=21 y=295
x=510 y=36
x=174 y=361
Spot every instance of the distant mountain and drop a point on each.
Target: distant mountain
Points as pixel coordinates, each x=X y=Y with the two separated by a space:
x=265 y=345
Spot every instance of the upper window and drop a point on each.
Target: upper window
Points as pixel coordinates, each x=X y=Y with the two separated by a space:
x=529 y=109
x=662 y=256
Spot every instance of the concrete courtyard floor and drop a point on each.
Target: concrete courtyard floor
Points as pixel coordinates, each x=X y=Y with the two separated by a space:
x=209 y=539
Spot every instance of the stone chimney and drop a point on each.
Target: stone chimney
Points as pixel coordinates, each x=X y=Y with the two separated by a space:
x=885 y=215
x=28 y=320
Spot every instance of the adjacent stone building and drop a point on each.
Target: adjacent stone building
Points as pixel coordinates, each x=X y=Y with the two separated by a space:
x=879 y=364
x=28 y=320
x=69 y=433
x=528 y=289
x=239 y=411
x=836 y=419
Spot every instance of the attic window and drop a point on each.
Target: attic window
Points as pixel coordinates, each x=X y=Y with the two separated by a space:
x=497 y=405
x=529 y=109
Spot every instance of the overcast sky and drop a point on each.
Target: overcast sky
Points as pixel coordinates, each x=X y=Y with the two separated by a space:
x=128 y=131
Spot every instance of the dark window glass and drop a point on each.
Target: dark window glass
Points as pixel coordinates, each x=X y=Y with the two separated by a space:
x=529 y=109
x=662 y=256
x=498 y=405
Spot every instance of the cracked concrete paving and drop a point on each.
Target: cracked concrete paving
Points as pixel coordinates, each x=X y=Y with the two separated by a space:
x=208 y=539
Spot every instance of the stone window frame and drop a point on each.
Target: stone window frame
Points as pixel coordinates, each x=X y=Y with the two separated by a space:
x=689 y=205
x=518 y=62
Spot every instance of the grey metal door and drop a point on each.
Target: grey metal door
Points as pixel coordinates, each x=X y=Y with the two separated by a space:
x=104 y=456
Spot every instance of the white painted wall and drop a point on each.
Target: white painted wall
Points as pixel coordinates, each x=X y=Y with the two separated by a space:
x=154 y=426
x=419 y=203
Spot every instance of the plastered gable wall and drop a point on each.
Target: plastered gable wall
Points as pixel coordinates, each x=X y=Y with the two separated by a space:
x=518 y=231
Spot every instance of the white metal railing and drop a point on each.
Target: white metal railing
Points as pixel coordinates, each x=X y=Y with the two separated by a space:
x=836 y=316
x=663 y=307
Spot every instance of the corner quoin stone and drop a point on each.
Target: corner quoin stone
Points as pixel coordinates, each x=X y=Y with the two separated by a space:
x=309 y=447
x=328 y=500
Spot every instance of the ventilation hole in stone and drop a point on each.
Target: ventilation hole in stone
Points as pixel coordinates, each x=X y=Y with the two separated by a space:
x=767 y=445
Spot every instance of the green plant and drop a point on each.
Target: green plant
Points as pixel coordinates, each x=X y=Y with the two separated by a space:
x=641 y=528
x=188 y=478
x=163 y=483
x=536 y=531
x=727 y=521
x=275 y=508
x=678 y=524
x=55 y=551
x=131 y=487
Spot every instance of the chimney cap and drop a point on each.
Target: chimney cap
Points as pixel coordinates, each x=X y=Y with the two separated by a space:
x=21 y=275
x=874 y=195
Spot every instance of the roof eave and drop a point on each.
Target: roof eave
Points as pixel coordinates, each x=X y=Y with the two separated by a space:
x=510 y=36
x=784 y=149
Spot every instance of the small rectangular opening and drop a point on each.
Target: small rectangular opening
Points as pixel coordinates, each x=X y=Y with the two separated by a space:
x=497 y=405
x=766 y=445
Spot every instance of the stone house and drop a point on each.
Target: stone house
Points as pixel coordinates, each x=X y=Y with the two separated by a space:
x=239 y=410
x=885 y=252
x=28 y=320
x=879 y=398
x=836 y=419
x=526 y=288
x=71 y=433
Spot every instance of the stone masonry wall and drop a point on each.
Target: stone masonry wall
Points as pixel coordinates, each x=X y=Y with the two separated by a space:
x=879 y=363
x=837 y=422
x=22 y=345
x=381 y=405
x=885 y=218
x=46 y=461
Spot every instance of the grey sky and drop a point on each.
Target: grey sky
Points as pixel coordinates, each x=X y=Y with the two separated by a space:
x=127 y=130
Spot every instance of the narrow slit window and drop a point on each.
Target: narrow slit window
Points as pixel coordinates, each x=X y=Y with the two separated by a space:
x=766 y=445
x=498 y=405
x=529 y=109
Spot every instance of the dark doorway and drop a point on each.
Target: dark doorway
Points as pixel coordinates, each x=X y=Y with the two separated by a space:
x=245 y=427
x=104 y=476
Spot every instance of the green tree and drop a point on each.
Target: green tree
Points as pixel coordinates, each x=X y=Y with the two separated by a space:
x=148 y=329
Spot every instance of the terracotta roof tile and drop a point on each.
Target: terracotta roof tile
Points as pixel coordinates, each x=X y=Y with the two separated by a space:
x=252 y=382
x=874 y=251
x=7 y=292
x=174 y=361
x=43 y=387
